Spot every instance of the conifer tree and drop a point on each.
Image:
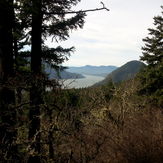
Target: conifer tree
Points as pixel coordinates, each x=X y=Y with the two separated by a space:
x=59 y=27
x=152 y=77
x=48 y=19
x=7 y=95
x=40 y=19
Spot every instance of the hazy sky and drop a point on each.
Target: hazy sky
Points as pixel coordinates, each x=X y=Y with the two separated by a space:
x=114 y=37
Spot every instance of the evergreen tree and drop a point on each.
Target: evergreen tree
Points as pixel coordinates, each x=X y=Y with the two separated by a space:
x=21 y=56
x=36 y=92
x=7 y=96
x=49 y=19
x=44 y=25
x=152 y=77
x=30 y=22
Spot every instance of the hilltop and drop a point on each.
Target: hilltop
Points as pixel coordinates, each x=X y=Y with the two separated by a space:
x=125 y=72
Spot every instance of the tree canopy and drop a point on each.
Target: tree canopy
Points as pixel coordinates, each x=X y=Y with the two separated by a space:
x=152 y=77
x=29 y=23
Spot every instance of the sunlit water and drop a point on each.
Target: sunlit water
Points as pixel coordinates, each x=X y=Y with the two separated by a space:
x=89 y=80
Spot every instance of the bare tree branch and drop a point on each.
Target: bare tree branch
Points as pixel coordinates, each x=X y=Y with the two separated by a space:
x=80 y=11
x=18 y=106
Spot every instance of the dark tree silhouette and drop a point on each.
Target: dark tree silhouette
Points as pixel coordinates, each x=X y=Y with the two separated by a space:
x=30 y=22
x=36 y=91
x=153 y=55
x=7 y=95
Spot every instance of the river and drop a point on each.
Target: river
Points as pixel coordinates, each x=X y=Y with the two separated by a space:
x=89 y=80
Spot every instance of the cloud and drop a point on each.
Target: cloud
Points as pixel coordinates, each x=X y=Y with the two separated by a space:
x=112 y=38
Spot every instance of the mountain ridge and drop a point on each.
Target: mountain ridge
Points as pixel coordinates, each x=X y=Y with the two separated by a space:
x=53 y=74
x=92 y=70
x=125 y=72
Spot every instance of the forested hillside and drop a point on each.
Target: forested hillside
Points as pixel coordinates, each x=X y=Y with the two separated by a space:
x=125 y=72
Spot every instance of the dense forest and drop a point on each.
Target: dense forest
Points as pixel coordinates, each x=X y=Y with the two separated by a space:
x=112 y=122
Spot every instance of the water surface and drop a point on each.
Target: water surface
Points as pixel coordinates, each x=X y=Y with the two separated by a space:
x=89 y=80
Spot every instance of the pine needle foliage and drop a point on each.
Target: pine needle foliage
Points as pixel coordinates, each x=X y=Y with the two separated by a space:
x=152 y=76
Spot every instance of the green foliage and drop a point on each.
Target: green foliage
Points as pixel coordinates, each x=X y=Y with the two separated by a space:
x=57 y=25
x=152 y=76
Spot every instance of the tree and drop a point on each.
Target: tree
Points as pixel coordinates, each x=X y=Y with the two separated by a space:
x=152 y=77
x=36 y=98
x=59 y=27
x=7 y=95
x=48 y=19
x=31 y=21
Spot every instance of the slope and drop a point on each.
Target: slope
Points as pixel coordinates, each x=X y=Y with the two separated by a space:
x=125 y=72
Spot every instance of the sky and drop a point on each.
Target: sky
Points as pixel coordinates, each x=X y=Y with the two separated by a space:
x=114 y=37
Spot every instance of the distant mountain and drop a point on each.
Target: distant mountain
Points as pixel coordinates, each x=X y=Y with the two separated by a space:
x=62 y=74
x=125 y=72
x=92 y=70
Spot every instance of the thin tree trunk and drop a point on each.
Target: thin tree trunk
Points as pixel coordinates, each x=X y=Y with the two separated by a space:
x=16 y=64
x=50 y=135
x=36 y=88
x=7 y=95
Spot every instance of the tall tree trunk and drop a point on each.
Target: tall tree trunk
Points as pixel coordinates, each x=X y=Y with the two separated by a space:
x=36 y=88
x=7 y=94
